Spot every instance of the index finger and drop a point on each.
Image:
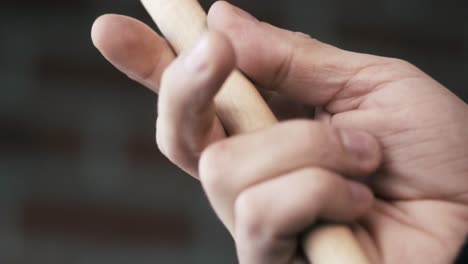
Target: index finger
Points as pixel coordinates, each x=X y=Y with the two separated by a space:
x=133 y=48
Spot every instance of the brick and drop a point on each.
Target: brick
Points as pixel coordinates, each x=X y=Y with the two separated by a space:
x=72 y=220
x=18 y=135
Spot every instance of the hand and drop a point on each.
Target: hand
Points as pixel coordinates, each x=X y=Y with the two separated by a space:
x=267 y=187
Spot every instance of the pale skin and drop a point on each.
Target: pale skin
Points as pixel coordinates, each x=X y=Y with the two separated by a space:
x=387 y=150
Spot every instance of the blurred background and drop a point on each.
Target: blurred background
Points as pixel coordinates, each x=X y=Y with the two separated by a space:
x=81 y=180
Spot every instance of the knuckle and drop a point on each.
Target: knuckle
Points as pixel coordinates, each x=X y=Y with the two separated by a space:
x=303 y=36
x=400 y=62
x=403 y=66
x=307 y=39
x=168 y=145
x=249 y=215
x=168 y=149
x=212 y=166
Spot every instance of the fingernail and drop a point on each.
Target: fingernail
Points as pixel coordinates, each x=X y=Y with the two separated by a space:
x=359 y=192
x=196 y=59
x=243 y=14
x=358 y=143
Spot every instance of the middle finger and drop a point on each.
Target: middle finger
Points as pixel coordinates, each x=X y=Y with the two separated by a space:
x=233 y=165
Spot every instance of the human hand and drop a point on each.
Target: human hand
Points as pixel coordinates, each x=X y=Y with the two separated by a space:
x=420 y=215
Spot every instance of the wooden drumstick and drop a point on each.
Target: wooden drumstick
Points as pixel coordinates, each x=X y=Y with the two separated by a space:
x=242 y=109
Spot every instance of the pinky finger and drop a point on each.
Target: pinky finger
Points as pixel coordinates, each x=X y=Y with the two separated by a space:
x=270 y=216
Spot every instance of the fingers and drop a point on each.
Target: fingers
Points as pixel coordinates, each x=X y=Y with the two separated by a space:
x=133 y=48
x=187 y=122
x=284 y=148
x=292 y=63
x=269 y=216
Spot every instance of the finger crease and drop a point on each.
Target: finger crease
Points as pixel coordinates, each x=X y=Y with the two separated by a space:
x=284 y=69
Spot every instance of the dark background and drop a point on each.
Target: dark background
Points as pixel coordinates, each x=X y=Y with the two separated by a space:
x=81 y=180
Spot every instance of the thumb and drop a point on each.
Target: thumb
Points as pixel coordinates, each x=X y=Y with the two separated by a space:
x=291 y=63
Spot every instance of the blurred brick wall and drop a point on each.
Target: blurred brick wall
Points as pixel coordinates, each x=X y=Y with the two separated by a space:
x=81 y=180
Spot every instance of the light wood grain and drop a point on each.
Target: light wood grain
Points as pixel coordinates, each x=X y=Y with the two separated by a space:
x=239 y=105
x=242 y=109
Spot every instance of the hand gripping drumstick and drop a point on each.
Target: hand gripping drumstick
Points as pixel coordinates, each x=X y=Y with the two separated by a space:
x=242 y=109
